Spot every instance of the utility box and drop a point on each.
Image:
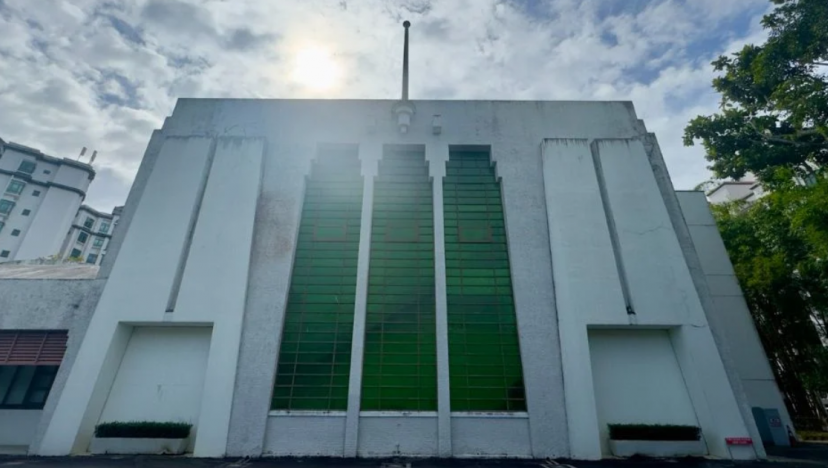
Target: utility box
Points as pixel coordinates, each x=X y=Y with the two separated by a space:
x=771 y=429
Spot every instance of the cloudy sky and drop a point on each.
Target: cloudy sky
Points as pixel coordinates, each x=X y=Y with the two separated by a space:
x=105 y=73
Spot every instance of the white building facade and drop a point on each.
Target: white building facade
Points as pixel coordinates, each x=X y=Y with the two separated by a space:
x=501 y=279
x=40 y=197
x=89 y=235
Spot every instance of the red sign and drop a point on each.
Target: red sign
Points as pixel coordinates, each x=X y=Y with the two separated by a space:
x=738 y=441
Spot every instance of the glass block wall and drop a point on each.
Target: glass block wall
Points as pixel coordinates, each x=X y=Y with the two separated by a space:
x=399 y=367
x=484 y=357
x=315 y=354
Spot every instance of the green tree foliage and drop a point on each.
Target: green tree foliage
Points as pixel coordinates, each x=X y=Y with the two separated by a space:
x=774 y=99
x=779 y=249
x=773 y=121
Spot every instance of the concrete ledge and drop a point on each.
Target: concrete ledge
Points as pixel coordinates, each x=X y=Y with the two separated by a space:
x=657 y=448
x=123 y=446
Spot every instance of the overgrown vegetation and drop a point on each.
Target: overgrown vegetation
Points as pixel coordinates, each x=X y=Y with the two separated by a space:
x=659 y=432
x=774 y=122
x=143 y=430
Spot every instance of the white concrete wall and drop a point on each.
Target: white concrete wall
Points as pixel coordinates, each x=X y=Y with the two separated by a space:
x=305 y=434
x=214 y=282
x=44 y=305
x=637 y=380
x=662 y=289
x=387 y=435
x=491 y=436
x=160 y=377
x=733 y=316
x=17 y=429
x=141 y=283
x=205 y=241
x=587 y=285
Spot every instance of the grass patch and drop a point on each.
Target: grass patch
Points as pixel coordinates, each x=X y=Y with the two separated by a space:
x=819 y=436
x=660 y=432
x=143 y=430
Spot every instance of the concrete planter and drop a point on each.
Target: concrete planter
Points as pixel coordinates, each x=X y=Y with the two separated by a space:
x=657 y=448
x=130 y=446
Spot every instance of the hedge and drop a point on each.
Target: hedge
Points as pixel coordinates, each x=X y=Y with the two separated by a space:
x=653 y=432
x=143 y=430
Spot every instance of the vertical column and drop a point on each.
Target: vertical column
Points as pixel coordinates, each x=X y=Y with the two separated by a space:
x=213 y=287
x=369 y=154
x=437 y=154
x=586 y=291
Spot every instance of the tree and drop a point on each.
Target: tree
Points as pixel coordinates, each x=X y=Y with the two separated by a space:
x=773 y=121
x=774 y=99
x=777 y=247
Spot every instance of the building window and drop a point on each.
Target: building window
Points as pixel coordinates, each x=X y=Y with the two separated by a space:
x=82 y=237
x=15 y=232
x=92 y=258
x=5 y=254
x=16 y=187
x=98 y=242
x=104 y=227
x=399 y=365
x=6 y=206
x=29 y=361
x=25 y=387
x=315 y=354
x=27 y=167
x=76 y=253
x=26 y=212
x=36 y=193
x=484 y=355
x=89 y=223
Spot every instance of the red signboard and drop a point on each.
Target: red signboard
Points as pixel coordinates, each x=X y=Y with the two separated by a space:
x=739 y=441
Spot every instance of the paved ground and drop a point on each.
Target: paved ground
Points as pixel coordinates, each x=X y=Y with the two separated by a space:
x=805 y=456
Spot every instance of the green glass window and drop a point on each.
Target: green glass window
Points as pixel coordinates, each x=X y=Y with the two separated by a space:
x=484 y=356
x=15 y=186
x=6 y=206
x=27 y=167
x=315 y=354
x=399 y=365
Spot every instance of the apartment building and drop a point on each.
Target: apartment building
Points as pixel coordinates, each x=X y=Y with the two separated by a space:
x=89 y=235
x=40 y=199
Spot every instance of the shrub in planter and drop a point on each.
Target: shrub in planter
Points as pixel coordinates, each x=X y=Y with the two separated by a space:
x=655 y=432
x=143 y=430
x=655 y=440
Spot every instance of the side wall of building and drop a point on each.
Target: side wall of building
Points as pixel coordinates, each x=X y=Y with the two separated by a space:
x=32 y=304
x=727 y=302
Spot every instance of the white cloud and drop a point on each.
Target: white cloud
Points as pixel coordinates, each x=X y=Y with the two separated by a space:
x=103 y=74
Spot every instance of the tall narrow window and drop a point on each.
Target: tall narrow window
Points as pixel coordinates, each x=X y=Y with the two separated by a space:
x=484 y=357
x=315 y=354
x=399 y=366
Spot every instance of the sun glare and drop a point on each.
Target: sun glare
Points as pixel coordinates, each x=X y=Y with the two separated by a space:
x=316 y=69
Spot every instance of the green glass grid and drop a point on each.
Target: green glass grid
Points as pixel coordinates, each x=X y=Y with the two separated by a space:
x=484 y=356
x=400 y=364
x=315 y=354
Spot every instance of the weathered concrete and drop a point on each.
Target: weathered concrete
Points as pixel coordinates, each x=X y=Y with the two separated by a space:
x=50 y=305
x=691 y=257
x=135 y=192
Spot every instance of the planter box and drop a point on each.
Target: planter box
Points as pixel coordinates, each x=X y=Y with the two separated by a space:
x=657 y=448
x=129 y=446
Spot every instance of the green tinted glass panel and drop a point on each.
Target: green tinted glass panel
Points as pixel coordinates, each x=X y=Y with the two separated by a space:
x=315 y=354
x=484 y=356
x=400 y=366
